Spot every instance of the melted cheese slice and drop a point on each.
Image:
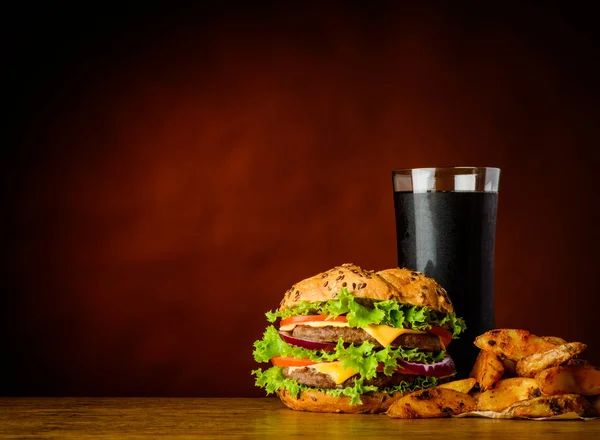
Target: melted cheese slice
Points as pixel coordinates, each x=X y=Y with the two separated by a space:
x=334 y=369
x=384 y=334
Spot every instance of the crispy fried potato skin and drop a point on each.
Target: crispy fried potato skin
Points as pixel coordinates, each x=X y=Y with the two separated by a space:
x=517 y=373
x=548 y=406
x=462 y=386
x=431 y=403
x=554 y=340
x=507 y=392
x=530 y=365
x=570 y=379
x=513 y=344
x=488 y=369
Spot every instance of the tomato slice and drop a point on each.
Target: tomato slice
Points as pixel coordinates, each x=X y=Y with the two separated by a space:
x=444 y=335
x=311 y=318
x=291 y=362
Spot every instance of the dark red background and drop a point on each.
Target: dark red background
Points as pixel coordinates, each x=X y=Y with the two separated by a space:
x=171 y=172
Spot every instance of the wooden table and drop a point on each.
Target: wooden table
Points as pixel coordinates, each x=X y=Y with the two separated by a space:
x=194 y=418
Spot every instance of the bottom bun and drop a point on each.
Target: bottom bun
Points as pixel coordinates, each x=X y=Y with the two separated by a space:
x=316 y=401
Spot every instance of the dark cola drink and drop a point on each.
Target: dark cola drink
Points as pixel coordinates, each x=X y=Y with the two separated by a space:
x=449 y=236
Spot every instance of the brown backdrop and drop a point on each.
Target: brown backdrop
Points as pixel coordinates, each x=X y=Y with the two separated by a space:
x=174 y=172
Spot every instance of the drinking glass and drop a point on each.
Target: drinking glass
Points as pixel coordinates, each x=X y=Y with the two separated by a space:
x=445 y=228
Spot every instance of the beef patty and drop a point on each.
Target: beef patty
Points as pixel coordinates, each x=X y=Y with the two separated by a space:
x=315 y=379
x=424 y=341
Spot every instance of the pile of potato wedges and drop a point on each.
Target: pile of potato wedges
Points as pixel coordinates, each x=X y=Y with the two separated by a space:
x=518 y=374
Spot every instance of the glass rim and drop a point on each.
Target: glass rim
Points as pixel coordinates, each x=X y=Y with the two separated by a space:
x=474 y=170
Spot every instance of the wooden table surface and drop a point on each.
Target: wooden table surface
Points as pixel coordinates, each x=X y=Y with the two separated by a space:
x=194 y=418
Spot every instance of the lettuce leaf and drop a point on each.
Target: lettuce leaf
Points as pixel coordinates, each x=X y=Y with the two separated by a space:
x=273 y=379
x=388 y=312
x=364 y=357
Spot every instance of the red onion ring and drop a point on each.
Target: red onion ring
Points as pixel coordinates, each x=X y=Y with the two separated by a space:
x=304 y=343
x=443 y=368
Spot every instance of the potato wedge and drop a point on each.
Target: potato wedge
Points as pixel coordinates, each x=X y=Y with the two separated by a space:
x=513 y=344
x=462 y=386
x=431 y=403
x=487 y=370
x=570 y=379
x=530 y=365
x=554 y=340
x=507 y=392
x=548 y=406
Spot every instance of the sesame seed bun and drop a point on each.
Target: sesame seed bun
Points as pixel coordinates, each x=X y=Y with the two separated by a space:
x=403 y=285
x=316 y=401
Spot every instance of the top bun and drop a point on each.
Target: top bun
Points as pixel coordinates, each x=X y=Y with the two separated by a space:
x=403 y=285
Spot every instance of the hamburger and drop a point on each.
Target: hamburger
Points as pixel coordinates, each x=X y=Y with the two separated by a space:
x=350 y=340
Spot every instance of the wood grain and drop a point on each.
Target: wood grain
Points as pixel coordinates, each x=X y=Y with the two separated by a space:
x=193 y=418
